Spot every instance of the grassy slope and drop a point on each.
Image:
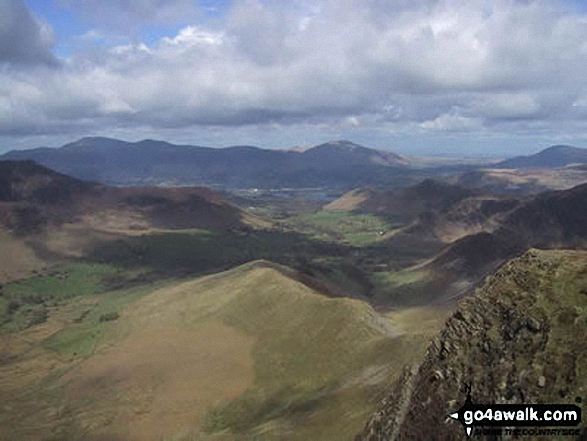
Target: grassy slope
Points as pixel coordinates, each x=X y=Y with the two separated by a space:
x=402 y=287
x=248 y=351
x=33 y=359
x=357 y=229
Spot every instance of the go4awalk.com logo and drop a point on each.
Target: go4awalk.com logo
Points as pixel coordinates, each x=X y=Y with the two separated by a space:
x=565 y=417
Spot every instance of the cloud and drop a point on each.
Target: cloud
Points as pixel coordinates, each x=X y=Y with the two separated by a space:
x=121 y=15
x=24 y=38
x=517 y=105
x=442 y=66
x=452 y=122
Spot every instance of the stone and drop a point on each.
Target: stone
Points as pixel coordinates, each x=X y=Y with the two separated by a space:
x=533 y=325
x=486 y=347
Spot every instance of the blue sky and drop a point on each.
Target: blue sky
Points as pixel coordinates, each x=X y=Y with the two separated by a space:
x=435 y=77
x=69 y=23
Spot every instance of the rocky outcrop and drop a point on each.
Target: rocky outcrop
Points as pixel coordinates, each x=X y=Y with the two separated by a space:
x=522 y=338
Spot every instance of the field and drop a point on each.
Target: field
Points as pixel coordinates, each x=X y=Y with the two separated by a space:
x=356 y=229
x=25 y=302
x=245 y=354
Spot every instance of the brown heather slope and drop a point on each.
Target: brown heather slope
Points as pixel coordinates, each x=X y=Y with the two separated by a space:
x=553 y=219
x=63 y=216
x=405 y=204
x=433 y=230
x=469 y=216
x=33 y=197
x=523 y=181
x=522 y=338
x=149 y=208
x=17 y=259
x=28 y=181
x=502 y=230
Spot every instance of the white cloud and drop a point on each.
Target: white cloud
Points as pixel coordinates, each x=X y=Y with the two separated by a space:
x=352 y=122
x=508 y=105
x=504 y=65
x=452 y=122
x=192 y=35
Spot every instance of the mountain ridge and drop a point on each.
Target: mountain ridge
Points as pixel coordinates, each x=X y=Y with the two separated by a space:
x=406 y=203
x=551 y=157
x=111 y=160
x=34 y=197
x=526 y=323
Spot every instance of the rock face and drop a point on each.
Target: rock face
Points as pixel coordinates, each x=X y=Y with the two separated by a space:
x=522 y=338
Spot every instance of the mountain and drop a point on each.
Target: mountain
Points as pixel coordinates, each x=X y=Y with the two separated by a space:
x=523 y=181
x=29 y=181
x=551 y=219
x=520 y=339
x=344 y=153
x=475 y=236
x=340 y=163
x=407 y=203
x=555 y=156
x=242 y=354
x=34 y=198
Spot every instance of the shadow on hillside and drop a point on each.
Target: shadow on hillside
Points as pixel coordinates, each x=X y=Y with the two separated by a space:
x=203 y=252
x=344 y=270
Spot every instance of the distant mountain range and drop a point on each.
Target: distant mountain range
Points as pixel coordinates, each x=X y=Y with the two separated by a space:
x=335 y=164
x=338 y=163
x=555 y=156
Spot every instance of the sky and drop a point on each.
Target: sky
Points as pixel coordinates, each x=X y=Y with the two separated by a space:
x=424 y=77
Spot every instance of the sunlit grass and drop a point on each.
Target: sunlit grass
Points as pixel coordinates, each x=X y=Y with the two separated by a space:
x=357 y=229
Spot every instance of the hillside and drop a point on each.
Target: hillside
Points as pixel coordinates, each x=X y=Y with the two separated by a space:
x=406 y=203
x=47 y=218
x=339 y=163
x=349 y=153
x=28 y=181
x=523 y=181
x=458 y=236
x=552 y=157
x=527 y=326
x=475 y=236
x=552 y=219
x=34 y=198
x=243 y=353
